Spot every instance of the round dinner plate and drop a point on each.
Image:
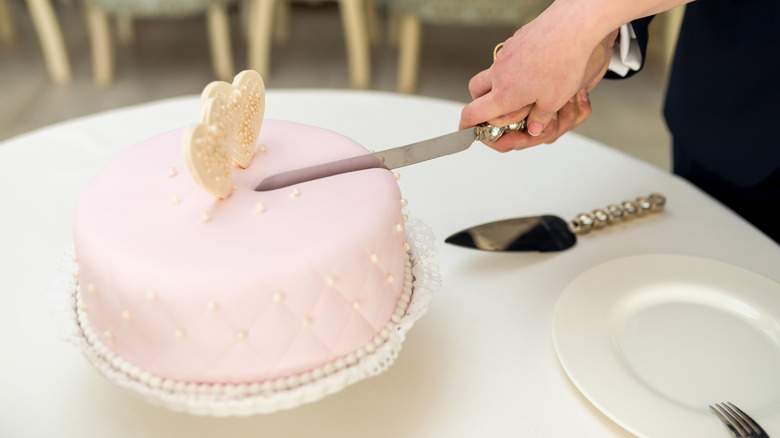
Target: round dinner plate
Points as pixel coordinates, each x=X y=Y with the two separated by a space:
x=653 y=340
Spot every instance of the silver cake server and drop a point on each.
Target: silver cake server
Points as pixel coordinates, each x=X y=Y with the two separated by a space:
x=392 y=158
x=550 y=233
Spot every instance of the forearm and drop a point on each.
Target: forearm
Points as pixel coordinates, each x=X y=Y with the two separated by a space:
x=585 y=23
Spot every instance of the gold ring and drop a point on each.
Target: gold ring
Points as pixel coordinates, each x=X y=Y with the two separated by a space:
x=496 y=49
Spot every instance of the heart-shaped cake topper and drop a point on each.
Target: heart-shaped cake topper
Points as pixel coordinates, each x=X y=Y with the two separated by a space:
x=206 y=153
x=232 y=115
x=246 y=104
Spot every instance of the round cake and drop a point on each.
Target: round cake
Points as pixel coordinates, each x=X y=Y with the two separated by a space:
x=208 y=296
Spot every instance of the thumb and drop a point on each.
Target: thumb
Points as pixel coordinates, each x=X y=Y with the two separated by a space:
x=538 y=119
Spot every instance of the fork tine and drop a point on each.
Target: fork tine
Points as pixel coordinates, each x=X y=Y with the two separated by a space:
x=745 y=419
x=725 y=417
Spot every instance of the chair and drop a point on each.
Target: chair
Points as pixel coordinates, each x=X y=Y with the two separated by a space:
x=97 y=13
x=360 y=21
x=411 y=14
x=49 y=33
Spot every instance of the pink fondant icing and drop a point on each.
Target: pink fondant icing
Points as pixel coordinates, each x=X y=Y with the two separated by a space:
x=246 y=295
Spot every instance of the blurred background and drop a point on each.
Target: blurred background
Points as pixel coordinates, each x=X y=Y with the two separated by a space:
x=61 y=59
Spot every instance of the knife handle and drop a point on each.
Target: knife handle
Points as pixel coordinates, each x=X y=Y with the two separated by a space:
x=614 y=213
x=486 y=132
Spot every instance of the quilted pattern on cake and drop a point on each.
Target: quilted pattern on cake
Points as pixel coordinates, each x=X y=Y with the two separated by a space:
x=303 y=282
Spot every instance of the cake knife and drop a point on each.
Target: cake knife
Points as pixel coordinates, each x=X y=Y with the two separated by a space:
x=392 y=158
x=550 y=233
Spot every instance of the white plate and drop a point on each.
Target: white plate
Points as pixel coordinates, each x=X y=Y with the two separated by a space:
x=652 y=340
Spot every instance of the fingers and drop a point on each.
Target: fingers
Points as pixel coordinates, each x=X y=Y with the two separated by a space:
x=584 y=107
x=480 y=84
x=571 y=115
x=513 y=117
x=486 y=107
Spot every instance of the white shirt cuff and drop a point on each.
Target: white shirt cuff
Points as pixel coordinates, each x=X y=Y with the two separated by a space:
x=626 y=55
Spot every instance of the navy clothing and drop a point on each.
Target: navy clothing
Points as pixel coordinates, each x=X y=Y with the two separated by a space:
x=723 y=104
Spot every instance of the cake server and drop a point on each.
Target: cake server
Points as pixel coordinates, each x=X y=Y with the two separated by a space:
x=392 y=158
x=550 y=233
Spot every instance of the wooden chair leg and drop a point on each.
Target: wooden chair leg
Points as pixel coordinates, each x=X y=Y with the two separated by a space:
x=101 y=43
x=353 y=19
x=408 y=52
x=52 y=44
x=219 y=38
x=282 y=23
x=7 y=26
x=374 y=22
x=261 y=14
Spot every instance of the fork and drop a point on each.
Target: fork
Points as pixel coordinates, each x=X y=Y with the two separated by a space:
x=739 y=423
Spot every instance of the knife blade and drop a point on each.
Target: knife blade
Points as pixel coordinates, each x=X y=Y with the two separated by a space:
x=391 y=158
x=550 y=233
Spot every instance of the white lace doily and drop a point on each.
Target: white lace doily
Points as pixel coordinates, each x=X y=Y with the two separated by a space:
x=240 y=400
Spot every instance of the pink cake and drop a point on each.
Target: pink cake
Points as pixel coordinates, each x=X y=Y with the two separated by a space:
x=191 y=298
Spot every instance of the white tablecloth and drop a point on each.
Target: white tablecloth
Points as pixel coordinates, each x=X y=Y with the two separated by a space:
x=480 y=363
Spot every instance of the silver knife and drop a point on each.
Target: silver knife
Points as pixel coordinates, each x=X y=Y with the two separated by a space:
x=391 y=158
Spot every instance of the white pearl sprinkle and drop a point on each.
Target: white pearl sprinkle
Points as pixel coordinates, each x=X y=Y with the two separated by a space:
x=175 y=200
x=212 y=305
x=280 y=384
x=356 y=304
x=330 y=281
x=205 y=217
x=151 y=295
x=172 y=172
x=241 y=335
x=179 y=333
x=76 y=273
x=296 y=192
x=396 y=175
x=262 y=148
x=91 y=288
x=404 y=203
x=399 y=228
x=374 y=259
x=126 y=315
x=406 y=218
x=259 y=207
x=108 y=335
x=390 y=279
x=277 y=297
x=306 y=321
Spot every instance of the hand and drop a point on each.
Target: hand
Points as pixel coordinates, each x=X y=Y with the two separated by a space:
x=573 y=113
x=534 y=76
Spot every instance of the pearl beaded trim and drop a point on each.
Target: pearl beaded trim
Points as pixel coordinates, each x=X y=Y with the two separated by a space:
x=229 y=390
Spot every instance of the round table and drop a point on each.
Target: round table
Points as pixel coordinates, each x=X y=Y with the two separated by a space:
x=481 y=362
